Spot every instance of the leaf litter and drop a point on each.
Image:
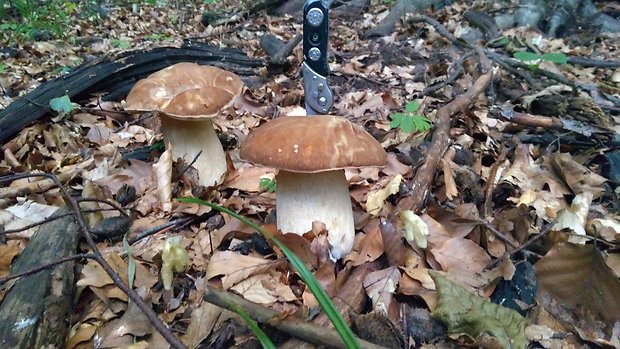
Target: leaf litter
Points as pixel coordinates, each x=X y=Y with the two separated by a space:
x=440 y=260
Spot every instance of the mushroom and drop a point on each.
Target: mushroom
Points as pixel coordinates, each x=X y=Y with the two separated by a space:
x=187 y=96
x=311 y=153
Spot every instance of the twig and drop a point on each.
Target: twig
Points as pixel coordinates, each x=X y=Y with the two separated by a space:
x=297 y=328
x=161 y=228
x=543 y=233
x=104 y=201
x=84 y=231
x=36 y=224
x=591 y=62
x=491 y=180
x=146 y=116
x=520 y=73
x=187 y=167
x=48 y=265
x=497 y=233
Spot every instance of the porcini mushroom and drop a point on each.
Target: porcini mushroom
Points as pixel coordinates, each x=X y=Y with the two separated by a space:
x=187 y=96
x=311 y=153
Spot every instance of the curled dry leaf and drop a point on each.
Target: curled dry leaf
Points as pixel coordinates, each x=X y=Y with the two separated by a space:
x=201 y=323
x=235 y=267
x=162 y=173
x=370 y=246
x=395 y=250
x=376 y=199
x=578 y=177
x=574 y=218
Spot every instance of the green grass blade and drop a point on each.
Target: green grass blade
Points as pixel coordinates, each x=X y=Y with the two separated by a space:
x=319 y=293
x=262 y=336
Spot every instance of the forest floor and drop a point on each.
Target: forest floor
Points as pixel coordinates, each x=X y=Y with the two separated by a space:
x=512 y=193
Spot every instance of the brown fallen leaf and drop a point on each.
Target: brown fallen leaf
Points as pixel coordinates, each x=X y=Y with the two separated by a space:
x=577 y=276
x=370 y=246
x=235 y=267
x=380 y=286
x=201 y=323
x=578 y=177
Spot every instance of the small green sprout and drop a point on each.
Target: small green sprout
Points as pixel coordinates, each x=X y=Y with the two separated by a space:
x=62 y=105
x=534 y=59
x=410 y=121
x=268 y=184
x=122 y=44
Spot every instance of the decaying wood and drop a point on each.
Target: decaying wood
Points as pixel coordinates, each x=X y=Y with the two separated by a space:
x=318 y=331
x=116 y=75
x=35 y=310
x=421 y=183
x=277 y=49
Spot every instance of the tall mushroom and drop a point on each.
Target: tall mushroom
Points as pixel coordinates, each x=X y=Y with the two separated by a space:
x=187 y=96
x=311 y=153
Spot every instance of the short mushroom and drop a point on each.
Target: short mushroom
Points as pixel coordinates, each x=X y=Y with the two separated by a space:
x=311 y=153
x=187 y=96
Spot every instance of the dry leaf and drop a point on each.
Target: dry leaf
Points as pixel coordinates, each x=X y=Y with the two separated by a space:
x=380 y=287
x=235 y=267
x=376 y=199
x=201 y=323
x=577 y=276
x=162 y=176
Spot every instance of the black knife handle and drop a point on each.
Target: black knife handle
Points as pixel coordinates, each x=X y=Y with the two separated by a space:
x=316 y=31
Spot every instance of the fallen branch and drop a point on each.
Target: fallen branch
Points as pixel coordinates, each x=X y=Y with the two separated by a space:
x=295 y=327
x=421 y=183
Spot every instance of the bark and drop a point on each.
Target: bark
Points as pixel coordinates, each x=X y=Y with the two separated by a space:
x=35 y=311
x=422 y=182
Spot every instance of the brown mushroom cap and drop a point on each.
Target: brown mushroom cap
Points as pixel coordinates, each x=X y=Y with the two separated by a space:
x=312 y=144
x=185 y=91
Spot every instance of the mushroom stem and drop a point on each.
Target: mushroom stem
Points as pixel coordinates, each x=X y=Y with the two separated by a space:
x=306 y=197
x=187 y=138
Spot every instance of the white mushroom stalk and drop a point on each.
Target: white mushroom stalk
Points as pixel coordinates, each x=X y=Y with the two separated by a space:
x=303 y=198
x=189 y=138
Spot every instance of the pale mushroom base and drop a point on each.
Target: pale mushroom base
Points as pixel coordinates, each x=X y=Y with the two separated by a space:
x=302 y=198
x=187 y=138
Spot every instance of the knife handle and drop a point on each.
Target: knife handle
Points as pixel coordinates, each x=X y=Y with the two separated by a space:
x=316 y=31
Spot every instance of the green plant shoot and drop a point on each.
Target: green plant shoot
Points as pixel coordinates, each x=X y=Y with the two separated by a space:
x=410 y=120
x=62 y=105
x=268 y=184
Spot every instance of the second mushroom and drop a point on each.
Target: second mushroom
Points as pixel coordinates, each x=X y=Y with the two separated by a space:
x=187 y=96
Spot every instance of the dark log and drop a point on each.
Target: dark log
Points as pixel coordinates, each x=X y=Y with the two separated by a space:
x=277 y=49
x=35 y=311
x=115 y=76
